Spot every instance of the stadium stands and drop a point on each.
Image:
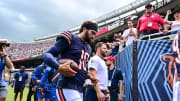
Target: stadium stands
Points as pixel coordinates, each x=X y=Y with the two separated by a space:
x=20 y=51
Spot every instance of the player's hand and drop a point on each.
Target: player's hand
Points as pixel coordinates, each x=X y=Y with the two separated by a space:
x=101 y=96
x=66 y=70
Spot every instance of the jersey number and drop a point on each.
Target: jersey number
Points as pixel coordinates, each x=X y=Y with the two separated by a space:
x=84 y=60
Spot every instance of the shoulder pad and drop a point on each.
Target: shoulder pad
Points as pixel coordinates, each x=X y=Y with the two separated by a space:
x=67 y=35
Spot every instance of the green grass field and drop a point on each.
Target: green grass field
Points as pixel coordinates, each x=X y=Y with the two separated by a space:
x=10 y=96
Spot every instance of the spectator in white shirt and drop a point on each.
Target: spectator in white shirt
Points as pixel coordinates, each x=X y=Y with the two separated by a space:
x=98 y=68
x=129 y=34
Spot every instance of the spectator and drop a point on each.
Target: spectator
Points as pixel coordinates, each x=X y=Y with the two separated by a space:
x=115 y=78
x=116 y=43
x=21 y=78
x=129 y=34
x=109 y=49
x=4 y=61
x=98 y=68
x=175 y=25
x=122 y=44
x=149 y=23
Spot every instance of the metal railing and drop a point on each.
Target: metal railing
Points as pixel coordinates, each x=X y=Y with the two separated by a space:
x=159 y=36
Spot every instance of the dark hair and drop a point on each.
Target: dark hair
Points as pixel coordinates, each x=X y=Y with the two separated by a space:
x=115 y=36
x=85 y=23
x=130 y=20
x=99 y=44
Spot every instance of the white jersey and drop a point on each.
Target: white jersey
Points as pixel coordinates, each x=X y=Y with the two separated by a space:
x=101 y=71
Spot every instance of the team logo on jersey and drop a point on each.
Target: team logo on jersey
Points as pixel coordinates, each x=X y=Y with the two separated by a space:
x=171 y=62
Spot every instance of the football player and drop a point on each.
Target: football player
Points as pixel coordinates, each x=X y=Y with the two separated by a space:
x=76 y=48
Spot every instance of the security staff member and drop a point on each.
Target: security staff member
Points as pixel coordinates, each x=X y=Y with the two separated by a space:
x=149 y=22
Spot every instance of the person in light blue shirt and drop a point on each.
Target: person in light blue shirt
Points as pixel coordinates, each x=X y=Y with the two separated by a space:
x=4 y=62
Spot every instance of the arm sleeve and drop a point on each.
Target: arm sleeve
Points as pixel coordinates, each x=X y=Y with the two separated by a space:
x=93 y=64
x=60 y=46
x=45 y=76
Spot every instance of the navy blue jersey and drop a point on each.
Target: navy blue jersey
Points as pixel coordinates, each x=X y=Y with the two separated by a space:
x=115 y=76
x=69 y=46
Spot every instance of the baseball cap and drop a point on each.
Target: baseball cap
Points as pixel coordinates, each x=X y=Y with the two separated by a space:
x=148 y=5
x=110 y=58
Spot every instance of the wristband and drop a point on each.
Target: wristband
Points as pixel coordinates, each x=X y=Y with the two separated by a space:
x=12 y=70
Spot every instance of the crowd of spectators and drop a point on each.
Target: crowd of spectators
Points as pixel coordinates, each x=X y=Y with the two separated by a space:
x=26 y=50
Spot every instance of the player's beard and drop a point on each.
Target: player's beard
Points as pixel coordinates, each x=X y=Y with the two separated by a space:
x=86 y=37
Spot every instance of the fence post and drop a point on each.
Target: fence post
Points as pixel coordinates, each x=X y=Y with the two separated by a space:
x=135 y=93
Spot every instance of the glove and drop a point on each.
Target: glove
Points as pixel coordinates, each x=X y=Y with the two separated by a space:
x=81 y=76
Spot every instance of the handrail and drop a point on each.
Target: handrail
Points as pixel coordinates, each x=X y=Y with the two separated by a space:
x=149 y=37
